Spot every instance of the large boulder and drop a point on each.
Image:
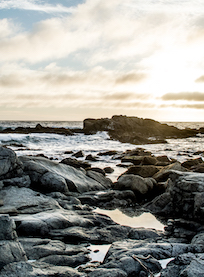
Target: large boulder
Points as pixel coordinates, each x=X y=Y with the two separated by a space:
x=10 y=248
x=183 y=197
x=10 y=166
x=139 y=185
x=49 y=176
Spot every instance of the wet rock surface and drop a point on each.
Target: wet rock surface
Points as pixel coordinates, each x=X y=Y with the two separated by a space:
x=48 y=218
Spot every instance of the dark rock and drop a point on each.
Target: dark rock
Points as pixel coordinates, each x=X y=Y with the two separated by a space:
x=7 y=228
x=108 y=169
x=183 y=197
x=109 y=198
x=38 y=129
x=10 y=166
x=36 y=269
x=108 y=153
x=163 y=174
x=199 y=168
x=100 y=178
x=188 y=265
x=37 y=248
x=192 y=162
x=135 y=130
x=137 y=253
x=10 y=251
x=25 y=200
x=97 y=169
x=68 y=152
x=23 y=181
x=148 y=160
x=42 y=224
x=135 y=183
x=91 y=158
x=108 y=272
x=59 y=176
x=143 y=171
x=78 y=154
x=76 y=163
x=136 y=160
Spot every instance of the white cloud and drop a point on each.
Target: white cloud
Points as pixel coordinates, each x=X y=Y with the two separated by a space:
x=35 y=5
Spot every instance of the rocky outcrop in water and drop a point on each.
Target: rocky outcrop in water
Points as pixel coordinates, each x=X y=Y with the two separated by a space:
x=135 y=130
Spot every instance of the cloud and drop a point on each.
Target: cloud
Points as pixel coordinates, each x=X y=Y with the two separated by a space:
x=200 y=79
x=35 y=5
x=130 y=78
x=188 y=96
x=98 y=31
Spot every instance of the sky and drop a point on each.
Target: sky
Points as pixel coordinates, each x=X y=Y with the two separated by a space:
x=74 y=59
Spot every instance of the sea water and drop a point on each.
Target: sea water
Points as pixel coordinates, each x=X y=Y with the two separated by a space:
x=55 y=146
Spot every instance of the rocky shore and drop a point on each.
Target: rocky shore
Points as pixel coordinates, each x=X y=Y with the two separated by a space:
x=48 y=219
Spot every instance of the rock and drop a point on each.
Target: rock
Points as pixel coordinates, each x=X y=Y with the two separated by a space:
x=129 y=255
x=163 y=160
x=183 y=197
x=76 y=180
x=143 y=171
x=105 y=182
x=25 y=200
x=78 y=154
x=135 y=130
x=38 y=129
x=192 y=162
x=10 y=251
x=53 y=182
x=37 y=248
x=10 y=248
x=76 y=163
x=91 y=158
x=96 y=169
x=149 y=160
x=7 y=228
x=135 y=183
x=136 y=160
x=36 y=269
x=108 y=153
x=109 y=198
x=188 y=265
x=65 y=260
x=9 y=164
x=163 y=174
x=108 y=272
x=199 y=168
x=23 y=181
x=108 y=169
x=41 y=224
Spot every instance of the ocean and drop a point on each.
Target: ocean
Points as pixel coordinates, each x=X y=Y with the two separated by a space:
x=55 y=146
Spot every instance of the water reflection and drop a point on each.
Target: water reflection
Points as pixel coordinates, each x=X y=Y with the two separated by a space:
x=146 y=220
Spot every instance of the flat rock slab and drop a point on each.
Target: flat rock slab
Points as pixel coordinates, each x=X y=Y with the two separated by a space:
x=36 y=269
x=25 y=200
x=41 y=224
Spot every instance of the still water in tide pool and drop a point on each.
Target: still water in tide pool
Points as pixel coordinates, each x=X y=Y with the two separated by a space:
x=146 y=220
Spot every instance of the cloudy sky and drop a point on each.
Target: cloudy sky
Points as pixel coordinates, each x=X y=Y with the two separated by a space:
x=73 y=59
